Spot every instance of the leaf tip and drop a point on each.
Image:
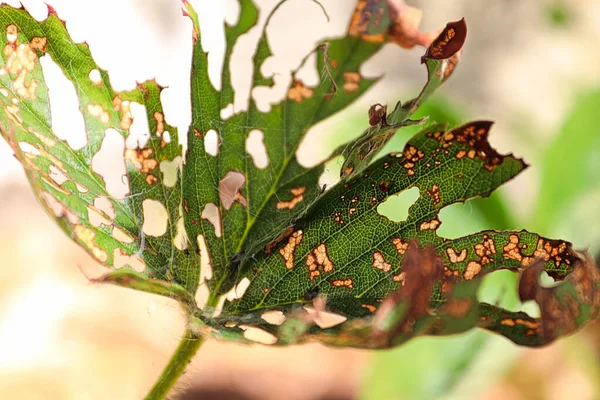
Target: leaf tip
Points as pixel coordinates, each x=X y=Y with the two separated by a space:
x=448 y=43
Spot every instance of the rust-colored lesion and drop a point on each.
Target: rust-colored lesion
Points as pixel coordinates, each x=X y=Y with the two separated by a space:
x=434 y=193
x=21 y=60
x=317 y=260
x=142 y=160
x=347 y=283
x=380 y=263
x=455 y=257
x=475 y=136
x=284 y=235
x=124 y=106
x=298 y=91
x=430 y=225
x=473 y=268
x=486 y=249
x=400 y=245
x=369 y=307
x=298 y=196
x=287 y=251
x=351 y=82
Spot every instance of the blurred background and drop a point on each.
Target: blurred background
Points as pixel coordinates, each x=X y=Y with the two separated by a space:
x=533 y=67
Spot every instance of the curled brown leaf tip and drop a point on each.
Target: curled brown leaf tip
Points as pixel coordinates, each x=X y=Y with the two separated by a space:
x=421 y=268
x=448 y=43
x=377 y=114
x=567 y=306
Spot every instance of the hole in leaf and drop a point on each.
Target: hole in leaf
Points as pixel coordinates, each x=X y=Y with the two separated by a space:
x=67 y=120
x=229 y=189
x=120 y=260
x=57 y=175
x=460 y=219
x=325 y=319
x=331 y=173
x=108 y=162
x=211 y=142
x=58 y=208
x=167 y=137
x=396 y=207
x=255 y=146
x=273 y=317
x=29 y=149
x=227 y=112
x=238 y=290
x=258 y=335
x=155 y=218
x=169 y=170
x=139 y=132
x=206 y=273
x=121 y=235
x=180 y=241
x=213 y=215
x=102 y=212
x=95 y=77
x=500 y=288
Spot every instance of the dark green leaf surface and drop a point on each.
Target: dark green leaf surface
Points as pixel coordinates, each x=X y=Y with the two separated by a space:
x=275 y=237
x=275 y=195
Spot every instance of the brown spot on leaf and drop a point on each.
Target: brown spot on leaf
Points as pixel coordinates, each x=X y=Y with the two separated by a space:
x=160 y=123
x=474 y=134
x=96 y=110
x=287 y=252
x=485 y=249
x=511 y=251
x=430 y=225
x=400 y=245
x=456 y=258
x=347 y=283
x=298 y=194
x=435 y=194
x=20 y=61
x=38 y=43
x=380 y=263
x=299 y=92
x=351 y=81
x=337 y=217
x=318 y=258
x=284 y=235
x=473 y=268
x=369 y=307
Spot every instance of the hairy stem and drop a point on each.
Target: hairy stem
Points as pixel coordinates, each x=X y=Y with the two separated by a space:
x=190 y=343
